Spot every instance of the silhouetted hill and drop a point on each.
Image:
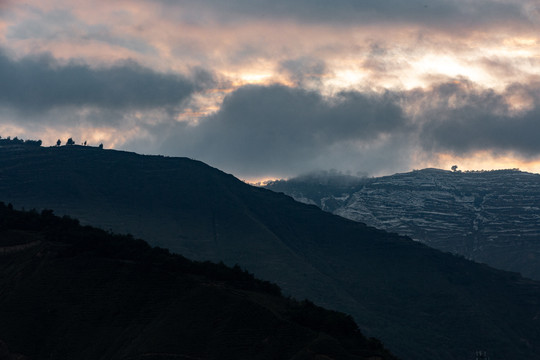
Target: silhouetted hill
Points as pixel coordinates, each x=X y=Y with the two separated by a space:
x=486 y=216
x=72 y=292
x=423 y=304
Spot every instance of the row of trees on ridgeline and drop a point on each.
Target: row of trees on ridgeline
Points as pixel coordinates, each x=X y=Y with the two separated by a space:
x=454 y=168
x=17 y=141
x=70 y=142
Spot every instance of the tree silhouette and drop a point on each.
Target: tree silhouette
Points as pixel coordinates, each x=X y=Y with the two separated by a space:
x=70 y=142
x=58 y=142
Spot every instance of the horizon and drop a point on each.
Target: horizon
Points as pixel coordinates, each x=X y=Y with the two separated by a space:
x=331 y=172
x=274 y=89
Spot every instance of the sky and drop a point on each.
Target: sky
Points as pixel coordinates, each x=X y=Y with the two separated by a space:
x=272 y=89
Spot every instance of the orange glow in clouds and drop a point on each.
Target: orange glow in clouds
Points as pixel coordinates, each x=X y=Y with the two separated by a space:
x=250 y=52
x=484 y=160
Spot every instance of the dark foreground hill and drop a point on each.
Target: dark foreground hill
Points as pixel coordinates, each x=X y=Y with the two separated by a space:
x=486 y=216
x=423 y=304
x=69 y=292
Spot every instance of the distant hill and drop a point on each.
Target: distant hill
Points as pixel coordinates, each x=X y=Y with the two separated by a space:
x=72 y=292
x=487 y=216
x=423 y=304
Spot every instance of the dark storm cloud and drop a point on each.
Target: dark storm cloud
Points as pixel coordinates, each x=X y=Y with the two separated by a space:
x=277 y=128
x=462 y=119
x=436 y=12
x=282 y=131
x=38 y=83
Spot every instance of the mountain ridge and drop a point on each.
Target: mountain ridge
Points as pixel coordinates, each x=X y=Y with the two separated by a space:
x=486 y=216
x=420 y=302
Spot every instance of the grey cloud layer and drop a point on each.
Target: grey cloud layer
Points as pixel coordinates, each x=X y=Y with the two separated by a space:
x=40 y=83
x=64 y=25
x=461 y=119
x=282 y=130
x=435 y=13
x=304 y=70
x=275 y=130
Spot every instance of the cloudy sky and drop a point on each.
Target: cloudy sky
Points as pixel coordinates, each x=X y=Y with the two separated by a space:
x=272 y=89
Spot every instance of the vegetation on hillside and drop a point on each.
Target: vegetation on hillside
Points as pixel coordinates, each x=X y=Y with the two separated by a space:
x=17 y=141
x=72 y=290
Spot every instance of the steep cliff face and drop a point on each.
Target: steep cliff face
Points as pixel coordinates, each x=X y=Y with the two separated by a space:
x=489 y=216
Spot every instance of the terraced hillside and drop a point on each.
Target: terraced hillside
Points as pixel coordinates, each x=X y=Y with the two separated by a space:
x=489 y=216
